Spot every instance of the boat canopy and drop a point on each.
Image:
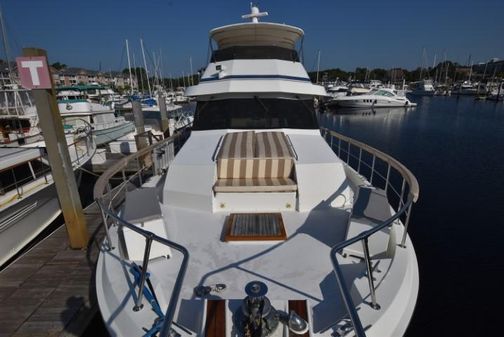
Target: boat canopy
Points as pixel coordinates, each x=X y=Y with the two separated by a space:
x=83 y=87
x=256 y=34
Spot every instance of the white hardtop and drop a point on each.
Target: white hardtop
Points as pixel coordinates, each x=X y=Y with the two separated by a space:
x=256 y=33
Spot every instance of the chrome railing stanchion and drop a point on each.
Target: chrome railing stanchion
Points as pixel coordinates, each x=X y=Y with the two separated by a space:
x=145 y=264
x=372 y=169
x=388 y=177
x=360 y=159
x=401 y=197
x=104 y=218
x=365 y=246
x=348 y=154
x=406 y=223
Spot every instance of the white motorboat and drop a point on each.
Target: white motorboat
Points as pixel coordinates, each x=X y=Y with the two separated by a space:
x=422 y=88
x=259 y=226
x=18 y=116
x=28 y=198
x=466 y=88
x=337 y=91
x=77 y=110
x=376 y=98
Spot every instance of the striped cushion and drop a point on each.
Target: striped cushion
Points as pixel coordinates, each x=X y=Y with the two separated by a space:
x=254 y=168
x=255 y=185
x=272 y=145
x=237 y=145
x=230 y=161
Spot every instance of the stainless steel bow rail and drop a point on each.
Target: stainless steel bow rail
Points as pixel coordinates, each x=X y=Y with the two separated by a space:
x=151 y=160
x=354 y=153
x=149 y=239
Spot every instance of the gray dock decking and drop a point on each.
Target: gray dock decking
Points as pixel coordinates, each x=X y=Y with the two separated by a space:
x=49 y=290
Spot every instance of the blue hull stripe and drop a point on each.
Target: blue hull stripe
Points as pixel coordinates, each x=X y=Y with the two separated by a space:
x=256 y=77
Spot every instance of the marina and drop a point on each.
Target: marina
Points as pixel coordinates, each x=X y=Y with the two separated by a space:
x=252 y=196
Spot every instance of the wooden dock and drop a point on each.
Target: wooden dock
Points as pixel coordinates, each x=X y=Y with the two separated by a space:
x=50 y=290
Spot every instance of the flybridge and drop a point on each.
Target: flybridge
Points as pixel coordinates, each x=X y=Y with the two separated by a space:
x=256 y=33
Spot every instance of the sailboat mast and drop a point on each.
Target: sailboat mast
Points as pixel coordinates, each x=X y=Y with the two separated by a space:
x=5 y=43
x=129 y=66
x=146 y=69
x=318 y=65
x=190 y=64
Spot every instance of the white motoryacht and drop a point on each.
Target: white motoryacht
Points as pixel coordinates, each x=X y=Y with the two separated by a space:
x=28 y=198
x=76 y=109
x=259 y=225
x=376 y=98
x=422 y=88
x=18 y=115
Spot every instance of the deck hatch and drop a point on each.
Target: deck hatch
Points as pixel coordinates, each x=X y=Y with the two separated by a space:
x=255 y=227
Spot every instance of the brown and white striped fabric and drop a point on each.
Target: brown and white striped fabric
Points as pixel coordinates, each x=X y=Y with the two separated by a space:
x=255 y=162
x=272 y=145
x=255 y=185
x=273 y=155
x=236 y=155
x=237 y=145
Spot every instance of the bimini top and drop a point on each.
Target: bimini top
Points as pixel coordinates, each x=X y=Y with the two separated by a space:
x=256 y=34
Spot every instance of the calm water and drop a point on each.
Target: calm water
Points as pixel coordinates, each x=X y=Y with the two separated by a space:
x=455 y=147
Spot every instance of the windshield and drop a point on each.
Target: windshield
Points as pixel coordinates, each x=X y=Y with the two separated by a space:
x=255 y=52
x=255 y=113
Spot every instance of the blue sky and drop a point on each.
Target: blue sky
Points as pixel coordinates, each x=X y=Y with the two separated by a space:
x=349 y=34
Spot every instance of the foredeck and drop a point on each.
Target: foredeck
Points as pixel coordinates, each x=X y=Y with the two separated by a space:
x=303 y=267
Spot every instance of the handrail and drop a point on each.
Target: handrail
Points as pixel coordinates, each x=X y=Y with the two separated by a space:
x=149 y=238
x=102 y=182
x=405 y=172
x=403 y=208
x=161 y=154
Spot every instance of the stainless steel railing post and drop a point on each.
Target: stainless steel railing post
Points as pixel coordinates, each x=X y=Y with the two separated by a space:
x=406 y=223
x=360 y=159
x=138 y=302
x=372 y=169
x=105 y=224
x=373 y=303
x=348 y=154
x=388 y=177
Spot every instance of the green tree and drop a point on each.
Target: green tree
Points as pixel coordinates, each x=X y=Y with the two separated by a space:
x=58 y=65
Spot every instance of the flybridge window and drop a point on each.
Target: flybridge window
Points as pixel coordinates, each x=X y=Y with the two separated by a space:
x=255 y=53
x=255 y=113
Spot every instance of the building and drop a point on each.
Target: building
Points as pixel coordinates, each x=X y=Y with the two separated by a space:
x=73 y=76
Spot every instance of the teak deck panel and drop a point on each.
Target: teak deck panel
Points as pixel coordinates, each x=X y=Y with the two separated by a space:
x=231 y=220
x=215 y=318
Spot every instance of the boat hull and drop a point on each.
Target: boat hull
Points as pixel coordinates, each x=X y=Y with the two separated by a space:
x=107 y=135
x=367 y=103
x=23 y=221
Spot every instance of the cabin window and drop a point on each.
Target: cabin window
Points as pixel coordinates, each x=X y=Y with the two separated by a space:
x=255 y=53
x=255 y=113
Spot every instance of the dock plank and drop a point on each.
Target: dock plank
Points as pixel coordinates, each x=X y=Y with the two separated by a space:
x=49 y=291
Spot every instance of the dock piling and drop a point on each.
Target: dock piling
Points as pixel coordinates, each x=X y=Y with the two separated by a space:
x=59 y=159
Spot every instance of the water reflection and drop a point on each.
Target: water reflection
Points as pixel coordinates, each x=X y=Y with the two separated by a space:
x=334 y=119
